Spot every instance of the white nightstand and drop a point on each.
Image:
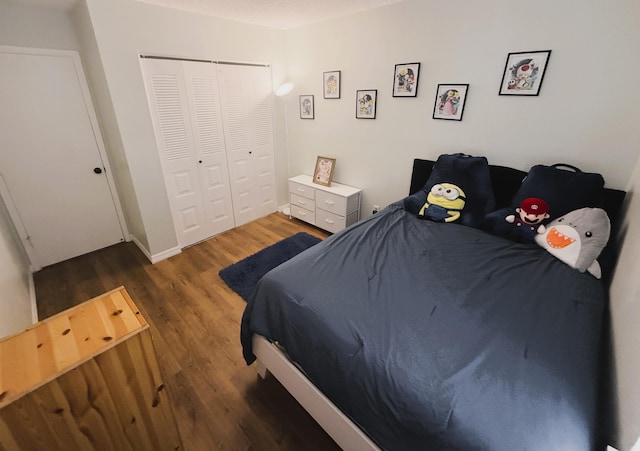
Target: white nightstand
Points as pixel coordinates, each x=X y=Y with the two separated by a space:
x=331 y=208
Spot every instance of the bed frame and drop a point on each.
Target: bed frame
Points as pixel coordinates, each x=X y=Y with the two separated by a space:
x=270 y=359
x=335 y=423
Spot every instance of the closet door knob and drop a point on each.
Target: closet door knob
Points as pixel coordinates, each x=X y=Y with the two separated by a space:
x=97 y=170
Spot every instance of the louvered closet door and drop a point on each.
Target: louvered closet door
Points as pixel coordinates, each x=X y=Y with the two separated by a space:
x=196 y=215
x=204 y=104
x=246 y=95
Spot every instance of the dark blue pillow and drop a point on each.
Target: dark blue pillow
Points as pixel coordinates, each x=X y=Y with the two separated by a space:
x=467 y=175
x=564 y=190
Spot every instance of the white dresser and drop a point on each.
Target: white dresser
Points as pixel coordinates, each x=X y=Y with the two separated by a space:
x=331 y=208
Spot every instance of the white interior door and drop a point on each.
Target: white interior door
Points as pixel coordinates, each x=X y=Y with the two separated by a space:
x=246 y=95
x=50 y=150
x=204 y=104
x=183 y=100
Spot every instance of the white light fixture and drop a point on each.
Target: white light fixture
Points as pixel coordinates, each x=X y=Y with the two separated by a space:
x=284 y=89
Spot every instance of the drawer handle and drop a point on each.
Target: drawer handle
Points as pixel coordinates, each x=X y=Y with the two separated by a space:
x=329 y=202
x=302 y=213
x=301 y=190
x=302 y=201
x=328 y=221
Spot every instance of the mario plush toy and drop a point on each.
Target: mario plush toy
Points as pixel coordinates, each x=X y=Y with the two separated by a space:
x=527 y=222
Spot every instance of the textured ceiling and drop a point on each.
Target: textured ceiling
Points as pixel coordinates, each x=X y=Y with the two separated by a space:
x=274 y=13
x=58 y=4
x=282 y=14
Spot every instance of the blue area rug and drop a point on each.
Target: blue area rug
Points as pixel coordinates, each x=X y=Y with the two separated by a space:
x=242 y=277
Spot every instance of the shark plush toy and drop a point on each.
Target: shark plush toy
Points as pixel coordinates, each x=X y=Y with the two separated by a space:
x=577 y=238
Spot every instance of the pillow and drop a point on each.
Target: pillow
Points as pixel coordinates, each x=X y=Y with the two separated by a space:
x=564 y=190
x=578 y=238
x=458 y=190
x=557 y=190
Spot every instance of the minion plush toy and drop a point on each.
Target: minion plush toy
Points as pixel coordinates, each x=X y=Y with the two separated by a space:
x=444 y=203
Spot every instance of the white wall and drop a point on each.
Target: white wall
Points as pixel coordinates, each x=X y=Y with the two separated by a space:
x=582 y=116
x=106 y=117
x=24 y=26
x=15 y=280
x=625 y=313
x=126 y=28
x=33 y=26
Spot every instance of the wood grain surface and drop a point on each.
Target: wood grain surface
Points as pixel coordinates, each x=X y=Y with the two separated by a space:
x=86 y=378
x=219 y=402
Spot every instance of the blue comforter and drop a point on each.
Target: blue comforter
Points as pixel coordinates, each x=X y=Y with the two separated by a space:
x=439 y=336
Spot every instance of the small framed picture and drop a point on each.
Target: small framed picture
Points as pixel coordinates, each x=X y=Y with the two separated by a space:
x=366 y=100
x=306 y=107
x=405 y=80
x=450 y=100
x=331 y=84
x=523 y=73
x=323 y=174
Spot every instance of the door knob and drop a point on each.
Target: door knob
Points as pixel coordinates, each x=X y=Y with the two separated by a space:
x=97 y=170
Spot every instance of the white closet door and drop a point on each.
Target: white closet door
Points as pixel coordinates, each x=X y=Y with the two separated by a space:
x=204 y=104
x=185 y=108
x=50 y=148
x=246 y=95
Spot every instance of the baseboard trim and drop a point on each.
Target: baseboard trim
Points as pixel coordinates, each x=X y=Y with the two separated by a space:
x=165 y=254
x=155 y=258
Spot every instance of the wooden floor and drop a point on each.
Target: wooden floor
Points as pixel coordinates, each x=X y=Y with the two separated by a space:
x=219 y=402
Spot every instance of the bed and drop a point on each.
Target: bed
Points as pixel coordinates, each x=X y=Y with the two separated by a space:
x=401 y=333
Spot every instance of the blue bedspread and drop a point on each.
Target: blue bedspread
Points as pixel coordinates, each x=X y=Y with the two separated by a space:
x=440 y=336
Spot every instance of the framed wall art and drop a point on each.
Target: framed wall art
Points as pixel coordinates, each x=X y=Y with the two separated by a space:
x=450 y=100
x=405 y=80
x=366 y=100
x=306 y=107
x=331 y=84
x=323 y=173
x=523 y=73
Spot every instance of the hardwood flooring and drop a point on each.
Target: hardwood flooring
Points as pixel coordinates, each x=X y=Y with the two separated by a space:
x=219 y=402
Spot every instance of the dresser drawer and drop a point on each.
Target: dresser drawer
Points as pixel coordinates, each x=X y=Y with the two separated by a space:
x=331 y=202
x=329 y=221
x=303 y=214
x=303 y=202
x=302 y=190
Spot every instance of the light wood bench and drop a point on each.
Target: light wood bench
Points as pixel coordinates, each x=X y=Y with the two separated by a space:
x=86 y=378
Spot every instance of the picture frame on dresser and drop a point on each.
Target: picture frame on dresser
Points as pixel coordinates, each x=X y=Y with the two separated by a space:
x=323 y=173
